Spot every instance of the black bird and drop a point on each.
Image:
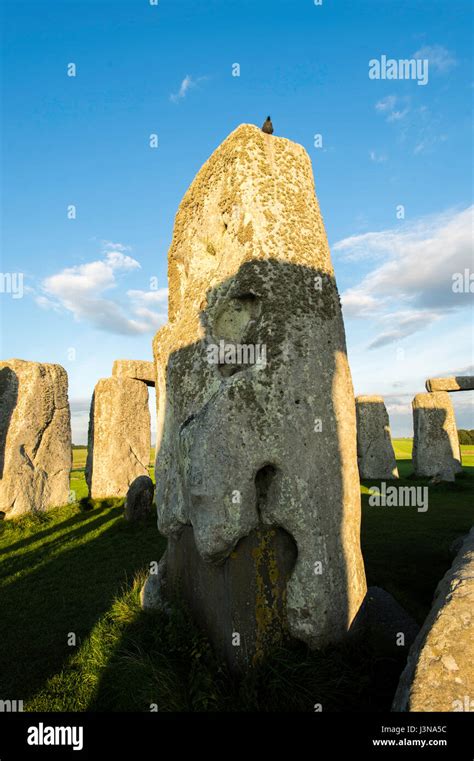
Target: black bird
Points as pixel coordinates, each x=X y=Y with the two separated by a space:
x=268 y=126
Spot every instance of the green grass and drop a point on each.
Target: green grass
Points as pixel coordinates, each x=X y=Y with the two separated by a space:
x=80 y=571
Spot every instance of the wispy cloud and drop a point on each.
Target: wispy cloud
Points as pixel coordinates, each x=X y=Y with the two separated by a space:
x=406 y=324
x=81 y=290
x=439 y=58
x=187 y=84
x=393 y=108
x=412 y=287
x=377 y=158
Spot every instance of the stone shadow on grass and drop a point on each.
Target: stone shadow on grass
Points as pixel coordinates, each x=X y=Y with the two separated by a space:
x=64 y=594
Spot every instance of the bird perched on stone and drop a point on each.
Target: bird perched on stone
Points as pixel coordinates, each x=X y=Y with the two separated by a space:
x=268 y=126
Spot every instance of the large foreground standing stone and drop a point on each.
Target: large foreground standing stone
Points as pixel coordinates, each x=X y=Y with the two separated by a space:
x=119 y=437
x=439 y=675
x=35 y=437
x=436 y=450
x=257 y=481
x=375 y=454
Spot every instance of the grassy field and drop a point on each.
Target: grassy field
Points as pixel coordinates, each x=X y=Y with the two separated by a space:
x=74 y=637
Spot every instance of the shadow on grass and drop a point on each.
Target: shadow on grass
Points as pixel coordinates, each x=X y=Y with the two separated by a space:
x=72 y=583
x=407 y=552
x=166 y=662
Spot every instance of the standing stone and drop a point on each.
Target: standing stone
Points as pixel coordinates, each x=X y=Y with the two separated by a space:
x=439 y=675
x=375 y=454
x=35 y=437
x=135 y=368
x=119 y=437
x=257 y=482
x=139 y=499
x=436 y=451
x=453 y=383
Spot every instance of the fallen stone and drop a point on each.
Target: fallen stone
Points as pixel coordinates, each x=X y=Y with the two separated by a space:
x=139 y=500
x=384 y=624
x=136 y=369
x=439 y=674
x=453 y=383
x=35 y=437
x=375 y=455
x=436 y=451
x=119 y=437
x=256 y=414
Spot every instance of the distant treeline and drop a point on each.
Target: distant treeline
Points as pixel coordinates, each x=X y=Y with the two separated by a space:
x=79 y=446
x=465 y=437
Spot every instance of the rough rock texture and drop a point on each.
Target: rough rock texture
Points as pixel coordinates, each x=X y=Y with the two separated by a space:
x=136 y=369
x=439 y=674
x=245 y=444
x=119 y=437
x=35 y=437
x=453 y=383
x=436 y=450
x=375 y=454
x=139 y=500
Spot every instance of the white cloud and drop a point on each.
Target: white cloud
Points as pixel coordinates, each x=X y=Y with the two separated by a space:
x=413 y=285
x=439 y=58
x=387 y=103
x=108 y=245
x=392 y=108
x=187 y=84
x=80 y=290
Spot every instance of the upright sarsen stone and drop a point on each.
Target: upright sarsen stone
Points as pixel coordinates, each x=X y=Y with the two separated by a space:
x=436 y=451
x=35 y=437
x=119 y=437
x=257 y=481
x=375 y=454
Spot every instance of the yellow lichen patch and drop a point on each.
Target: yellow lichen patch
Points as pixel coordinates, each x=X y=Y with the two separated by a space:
x=245 y=233
x=269 y=598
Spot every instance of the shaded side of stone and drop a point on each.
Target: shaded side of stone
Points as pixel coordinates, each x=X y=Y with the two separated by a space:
x=375 y=455
x=240 y=603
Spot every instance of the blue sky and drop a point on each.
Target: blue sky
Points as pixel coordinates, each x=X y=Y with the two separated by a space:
x=166 y=69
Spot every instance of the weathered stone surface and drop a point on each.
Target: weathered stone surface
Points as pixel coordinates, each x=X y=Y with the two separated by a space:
x=439 y=674
x=453 y=383
x=246 y=445
x=136 y=369
x=139 y=500
x=375 y=454
x=119 y=437
x=436 y=450
x=35 y=437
